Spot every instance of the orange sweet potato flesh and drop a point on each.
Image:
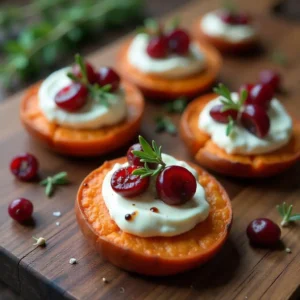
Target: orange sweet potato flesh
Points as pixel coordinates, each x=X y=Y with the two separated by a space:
x=77 y=142
x=159 y=88
x=223 y=45
x=209 y=155
x=155 y=256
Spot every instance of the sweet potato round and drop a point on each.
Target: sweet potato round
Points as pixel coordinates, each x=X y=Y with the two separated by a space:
x=158 y=88
x=224 y=45
x=155 y=256
x=209 y=155
x=85 y=142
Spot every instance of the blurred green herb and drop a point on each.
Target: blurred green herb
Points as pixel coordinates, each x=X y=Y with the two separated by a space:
x=165 y=124
x=176 y=106
x=279 y=58
x=48 y=30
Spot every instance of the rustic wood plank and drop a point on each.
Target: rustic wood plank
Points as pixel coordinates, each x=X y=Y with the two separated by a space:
x=237 y=272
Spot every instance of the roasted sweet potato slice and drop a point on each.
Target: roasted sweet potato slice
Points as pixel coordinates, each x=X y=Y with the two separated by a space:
x=209 y=155
x=82 y=142
x=159 y=88
x=153 y=255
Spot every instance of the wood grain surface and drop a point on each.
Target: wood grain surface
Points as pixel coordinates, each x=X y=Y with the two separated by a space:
x=237 y=272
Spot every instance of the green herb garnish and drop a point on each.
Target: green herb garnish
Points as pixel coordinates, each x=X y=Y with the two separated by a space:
x=228 y=103
x=286 y=213
x=42 y=33
x=51 y=181
x=177 y=106
x=97 y=92
x=279 y=58
x=150 y=154
x=165 y=124
x=151 y=26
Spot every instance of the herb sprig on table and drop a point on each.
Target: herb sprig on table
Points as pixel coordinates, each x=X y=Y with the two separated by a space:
x=48 y=30
x=286 y=213
x=150 y=154
x=52 y=181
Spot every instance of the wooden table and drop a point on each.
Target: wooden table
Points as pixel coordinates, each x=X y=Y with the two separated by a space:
x=237 y=272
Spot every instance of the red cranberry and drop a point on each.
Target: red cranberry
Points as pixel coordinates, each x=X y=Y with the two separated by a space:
x=234 y=19
x=222 y=116
x=108 y=76
x=263 y=232
x=179 y=41
x=136 y=161
x=20 y=209
x=71 y=97
x=158 y=47
x=260 y=94
x=128 y=185
x=176 y=185
x=24 y=166
x=91 y=75
x=271 y=78
x=242 y=19
x=256 y=120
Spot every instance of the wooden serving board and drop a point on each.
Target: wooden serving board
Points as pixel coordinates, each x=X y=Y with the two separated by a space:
x=237 y=272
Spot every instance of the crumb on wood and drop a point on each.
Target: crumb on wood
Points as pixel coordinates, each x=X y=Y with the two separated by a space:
x=122 y=290
x=288 y=250
x=73 y=261
x=56 y=213
x=104 y=280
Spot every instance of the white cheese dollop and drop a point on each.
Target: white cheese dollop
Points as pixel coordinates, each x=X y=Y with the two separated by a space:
x=173 y=66
x=92 y=115
x=169 y=221
x=241 y=141
x=212 y=25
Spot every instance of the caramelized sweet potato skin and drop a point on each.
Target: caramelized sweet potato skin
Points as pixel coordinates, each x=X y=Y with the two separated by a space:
x=156 y=256
x=77 y=142
x=209 y=155
x=223 y=45
x=158 y=88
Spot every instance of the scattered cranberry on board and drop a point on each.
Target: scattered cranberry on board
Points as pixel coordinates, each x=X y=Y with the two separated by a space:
x=126 y=184
x=176 y=185
x=20 y=209
x=24 y=166
x=263 y=232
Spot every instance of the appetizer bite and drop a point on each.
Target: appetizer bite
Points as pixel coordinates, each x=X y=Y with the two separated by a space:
x=153 y=214
x=244 y=134
x=81 y=112
x=166 y=63
x=227 y=29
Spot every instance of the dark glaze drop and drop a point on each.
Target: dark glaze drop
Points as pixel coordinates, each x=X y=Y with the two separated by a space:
x=154 y=209
x=130 y=217
x=85 y=184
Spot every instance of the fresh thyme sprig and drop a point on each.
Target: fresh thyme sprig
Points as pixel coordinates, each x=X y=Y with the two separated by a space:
x=286 y=213
x=165 y=124
x=176 y=106
x=150 y=154
x=97 y=92
x=51 y=181
x=229 y=104
x=151 y=26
